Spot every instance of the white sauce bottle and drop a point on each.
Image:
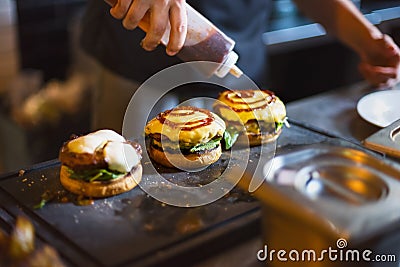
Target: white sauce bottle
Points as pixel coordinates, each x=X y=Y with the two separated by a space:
x=204 y=42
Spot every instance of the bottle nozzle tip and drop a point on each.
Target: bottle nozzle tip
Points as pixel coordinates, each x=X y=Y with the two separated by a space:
x=235 y=71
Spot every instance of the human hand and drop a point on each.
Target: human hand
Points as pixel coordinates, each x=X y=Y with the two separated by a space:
x=154 y=16
x=380 y=64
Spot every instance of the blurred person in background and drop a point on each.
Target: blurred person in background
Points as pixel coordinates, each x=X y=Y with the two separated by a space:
x=128 y=56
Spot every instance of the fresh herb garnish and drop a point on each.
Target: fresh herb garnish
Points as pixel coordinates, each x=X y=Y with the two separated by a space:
x=45 y=197
x=40 y=204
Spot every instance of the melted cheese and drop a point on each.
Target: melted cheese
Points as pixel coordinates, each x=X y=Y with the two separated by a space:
x=91 y=142
x=275 y=112
x=108 y=135
x=120 y=157
x=197 y=135
x=86 y=144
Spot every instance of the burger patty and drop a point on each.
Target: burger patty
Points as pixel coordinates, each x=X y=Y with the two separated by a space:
x=185 y=150
x=260 y=127
x=83 y=161
x=255 y=127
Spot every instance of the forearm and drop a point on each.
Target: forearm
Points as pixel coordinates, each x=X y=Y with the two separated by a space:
x=380 y=56
x=343 y=20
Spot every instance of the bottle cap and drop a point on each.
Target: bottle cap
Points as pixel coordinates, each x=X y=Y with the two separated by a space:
x=229 y=66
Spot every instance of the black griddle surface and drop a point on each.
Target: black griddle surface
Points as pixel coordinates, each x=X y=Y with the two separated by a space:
x=133 y=229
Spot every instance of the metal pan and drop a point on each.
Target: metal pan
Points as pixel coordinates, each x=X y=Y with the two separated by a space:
x=318 y=195
x=386 y=140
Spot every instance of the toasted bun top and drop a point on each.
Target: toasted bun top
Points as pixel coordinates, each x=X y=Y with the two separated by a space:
x=262 y=105
x=189 y=125
x=112 y=148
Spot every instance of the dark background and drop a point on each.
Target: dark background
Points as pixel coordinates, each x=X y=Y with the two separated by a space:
x=45 y=36
x=44 y=41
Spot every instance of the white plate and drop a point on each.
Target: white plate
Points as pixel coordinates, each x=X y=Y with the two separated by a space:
x=380 y=108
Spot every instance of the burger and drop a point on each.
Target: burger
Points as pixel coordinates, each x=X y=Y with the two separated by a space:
x=185 y=137
x=255 y=116
x=100 y=164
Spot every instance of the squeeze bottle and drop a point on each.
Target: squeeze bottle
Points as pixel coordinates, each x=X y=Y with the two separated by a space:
x=204 y=42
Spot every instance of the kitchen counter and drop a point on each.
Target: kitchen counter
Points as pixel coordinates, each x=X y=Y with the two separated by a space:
x=225 y=233
x=333 y=114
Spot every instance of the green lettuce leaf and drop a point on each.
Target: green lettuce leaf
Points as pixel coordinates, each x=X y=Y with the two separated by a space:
x=94 y=175
x=279 y=125
x=206 y=146
x=230 y=136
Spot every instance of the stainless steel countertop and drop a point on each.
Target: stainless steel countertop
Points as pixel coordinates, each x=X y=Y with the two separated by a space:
x=332 y=113
x=335 y=113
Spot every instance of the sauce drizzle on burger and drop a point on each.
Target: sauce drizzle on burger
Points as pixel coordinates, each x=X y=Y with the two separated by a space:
x=192 y=132
x=259 y=114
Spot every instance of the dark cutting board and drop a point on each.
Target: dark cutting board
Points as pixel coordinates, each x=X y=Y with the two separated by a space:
x=133 y=229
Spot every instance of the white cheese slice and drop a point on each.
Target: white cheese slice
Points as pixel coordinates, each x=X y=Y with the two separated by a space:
x=108 y=135
x=93 y=141
x=86 y=144
x=120 y=157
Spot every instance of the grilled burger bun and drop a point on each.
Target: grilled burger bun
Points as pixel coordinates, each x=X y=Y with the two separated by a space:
x=258 y=115
x=185 y=135
x=100 y=164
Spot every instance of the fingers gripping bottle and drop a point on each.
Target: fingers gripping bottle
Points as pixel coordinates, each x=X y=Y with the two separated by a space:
x=204 y=42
